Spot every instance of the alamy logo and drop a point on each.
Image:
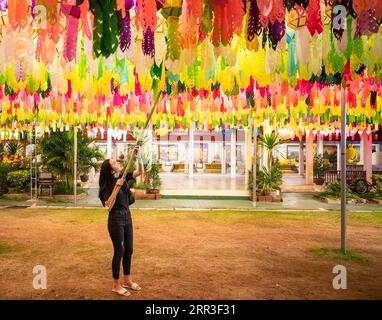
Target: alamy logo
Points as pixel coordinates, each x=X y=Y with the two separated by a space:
x=340 y=280
x=39 y=18
x=39 y=279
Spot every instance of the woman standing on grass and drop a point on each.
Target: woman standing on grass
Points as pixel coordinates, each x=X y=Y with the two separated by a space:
x=120 y=224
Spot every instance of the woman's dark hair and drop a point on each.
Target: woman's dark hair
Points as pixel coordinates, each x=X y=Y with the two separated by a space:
x=106 y=181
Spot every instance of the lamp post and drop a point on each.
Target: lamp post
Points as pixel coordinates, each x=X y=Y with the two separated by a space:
x=75 y=166
x=254 y=173
x=343 y=169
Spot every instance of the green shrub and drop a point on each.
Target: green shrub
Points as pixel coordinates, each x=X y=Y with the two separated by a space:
x=377 y=181
x=155 y=180
x=141 y=186
x=334 y=191
x=60 y=187
x=319 y=166
x=269 y=180
x=334 y=187
x=57 y=152
x=5 y=168
x=19 y=180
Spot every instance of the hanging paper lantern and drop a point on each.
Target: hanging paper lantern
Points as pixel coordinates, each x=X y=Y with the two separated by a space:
x=125 y=34
x=71 y=32
x=313 y=17
x=147 y=20
x=228 y=15
x=17 y=13
x=366 y=23
x=105 y=30
x=3 y=5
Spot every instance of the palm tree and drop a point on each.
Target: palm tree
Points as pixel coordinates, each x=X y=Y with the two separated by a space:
x=13 y=148
x=57 y=154
x=270 y=142
x=2 y=149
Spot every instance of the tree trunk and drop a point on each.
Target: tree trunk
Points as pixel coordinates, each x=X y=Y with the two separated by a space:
x=67 y=181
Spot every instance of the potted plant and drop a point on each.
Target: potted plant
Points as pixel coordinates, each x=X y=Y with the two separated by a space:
x=84 y=177
x=140 y=190
x=154 y=179
x=319 y=168
x=269 y=177
x=269 y=181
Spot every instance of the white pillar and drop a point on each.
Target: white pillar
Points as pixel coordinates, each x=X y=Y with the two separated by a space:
x=309 y=158
x=320 y=144
x=186 y=157
x=108 y=146
x=191 y=153
x=160 y=144
x=367 y=150
x=263 y=161
x=115 y=150
x=233 y=153
x=248 y=154
x=209 y=151
x=301 y=159
x=150 y=143
x=223 y=157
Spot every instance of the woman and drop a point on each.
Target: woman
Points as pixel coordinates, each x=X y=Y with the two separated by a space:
x=120 y=225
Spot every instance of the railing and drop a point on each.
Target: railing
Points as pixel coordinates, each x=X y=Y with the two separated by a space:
x=335 y=175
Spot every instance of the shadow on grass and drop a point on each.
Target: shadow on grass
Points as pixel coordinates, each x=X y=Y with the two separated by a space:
x=58 y=201
x=337 y=254
x=7 y=248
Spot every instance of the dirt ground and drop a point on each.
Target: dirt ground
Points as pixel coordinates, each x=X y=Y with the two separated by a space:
x=189 y=254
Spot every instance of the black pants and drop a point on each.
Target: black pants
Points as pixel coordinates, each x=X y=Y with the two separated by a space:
x=121 y=235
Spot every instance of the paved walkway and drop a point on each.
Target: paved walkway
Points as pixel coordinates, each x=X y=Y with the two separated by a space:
x=207 y=184
x=206 y=191
x=222 y=185
x=291 y=202
x=216 y=184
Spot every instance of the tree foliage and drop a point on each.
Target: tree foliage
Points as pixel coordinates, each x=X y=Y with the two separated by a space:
x=57 y=154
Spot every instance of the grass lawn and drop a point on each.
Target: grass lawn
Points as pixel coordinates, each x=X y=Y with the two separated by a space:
x=192 y=254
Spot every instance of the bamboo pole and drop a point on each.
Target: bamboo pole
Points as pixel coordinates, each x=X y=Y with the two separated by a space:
x=110 y=202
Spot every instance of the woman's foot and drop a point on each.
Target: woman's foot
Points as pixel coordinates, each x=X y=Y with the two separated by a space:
x=117 y=288
x=121 y=292
x=133 y=286
x=128 y=283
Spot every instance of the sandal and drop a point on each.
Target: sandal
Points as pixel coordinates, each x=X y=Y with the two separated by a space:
x=134 y=286
x=122 y=292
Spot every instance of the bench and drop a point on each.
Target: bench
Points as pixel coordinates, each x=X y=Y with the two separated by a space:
x=167 y=166
x=45 y=180
x=213 y=168
x=178 y=167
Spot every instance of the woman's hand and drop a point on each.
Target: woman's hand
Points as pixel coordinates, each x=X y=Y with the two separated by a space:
x=120 y=182
x=140 y=169
x=136 y=152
